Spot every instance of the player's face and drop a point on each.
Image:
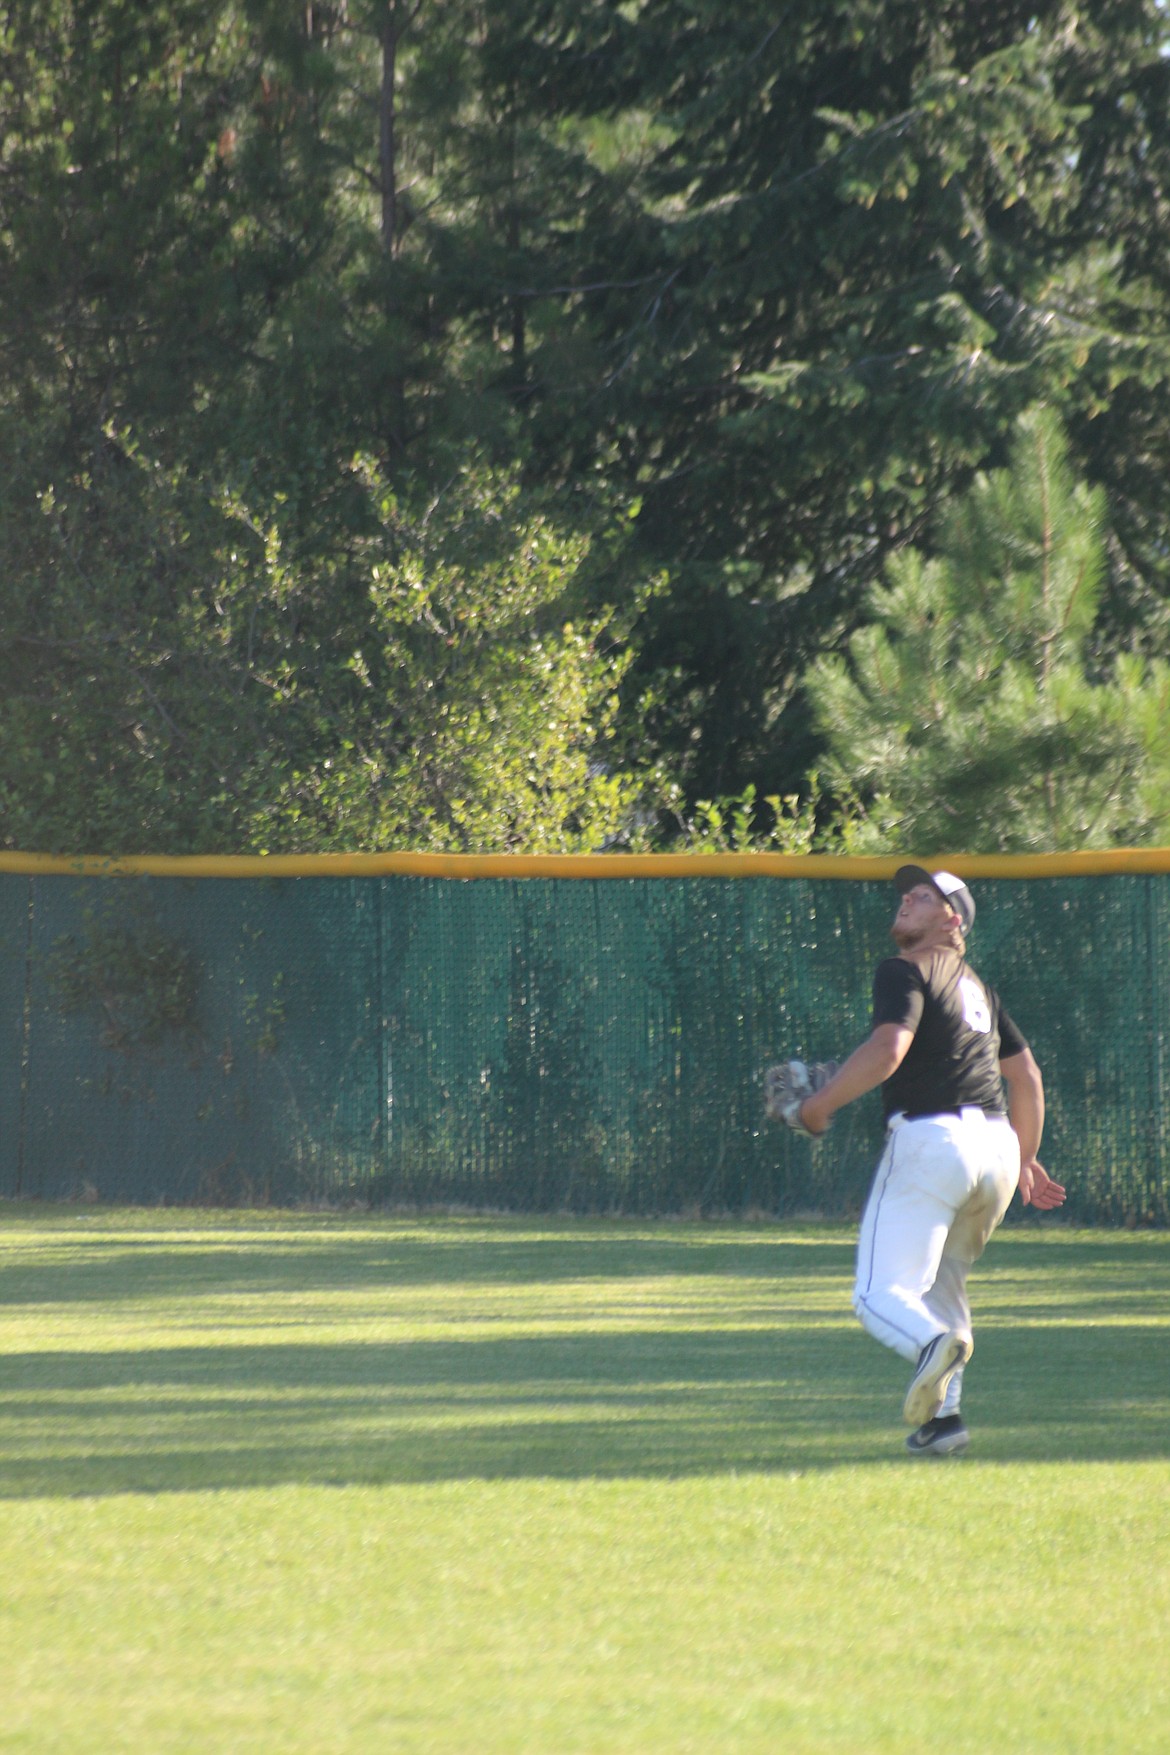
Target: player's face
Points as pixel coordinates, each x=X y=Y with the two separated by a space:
x=922 y=915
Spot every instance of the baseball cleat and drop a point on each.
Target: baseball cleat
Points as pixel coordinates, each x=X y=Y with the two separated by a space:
x=945 y=1437
x=937 y=1364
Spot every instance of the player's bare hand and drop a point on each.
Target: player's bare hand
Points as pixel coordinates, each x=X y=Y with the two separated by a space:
x=1038 y=1189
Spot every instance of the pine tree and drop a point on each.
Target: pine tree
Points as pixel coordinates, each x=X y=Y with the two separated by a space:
x=864 y=238
x=973 y=714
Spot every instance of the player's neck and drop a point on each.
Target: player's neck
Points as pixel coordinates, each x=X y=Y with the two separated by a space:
x=931 y=938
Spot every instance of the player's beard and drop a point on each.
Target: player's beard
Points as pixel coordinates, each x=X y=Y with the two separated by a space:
x=912 y=938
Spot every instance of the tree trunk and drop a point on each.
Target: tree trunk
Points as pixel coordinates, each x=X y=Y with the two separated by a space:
x=387 y=143
x=519 y=361
x=396 y=21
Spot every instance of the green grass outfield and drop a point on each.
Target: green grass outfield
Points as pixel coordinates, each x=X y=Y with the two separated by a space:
x=328 y=1483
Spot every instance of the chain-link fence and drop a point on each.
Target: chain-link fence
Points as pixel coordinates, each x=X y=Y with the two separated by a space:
x=560 y=1043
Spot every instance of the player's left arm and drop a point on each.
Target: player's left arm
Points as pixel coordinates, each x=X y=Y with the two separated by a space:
x=1026 y=1111
x=1025 y=1100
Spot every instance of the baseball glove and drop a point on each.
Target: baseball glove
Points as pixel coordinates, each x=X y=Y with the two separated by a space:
x=786 y=1086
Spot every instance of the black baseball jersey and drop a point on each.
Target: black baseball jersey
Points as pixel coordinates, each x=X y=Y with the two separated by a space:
x=961 y=1032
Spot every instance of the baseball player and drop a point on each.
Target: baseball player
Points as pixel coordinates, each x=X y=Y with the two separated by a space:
x=943 y=1049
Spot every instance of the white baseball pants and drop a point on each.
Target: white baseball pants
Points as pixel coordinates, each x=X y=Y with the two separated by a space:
x=942 y=1185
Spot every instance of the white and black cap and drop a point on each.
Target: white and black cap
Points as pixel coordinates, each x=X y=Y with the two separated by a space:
x=952 y=889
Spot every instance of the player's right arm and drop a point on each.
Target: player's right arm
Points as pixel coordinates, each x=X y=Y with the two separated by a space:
x=897 y=1013
x=870 y=1065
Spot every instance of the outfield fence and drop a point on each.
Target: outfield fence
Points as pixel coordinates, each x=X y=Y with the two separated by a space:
x=536 y=1034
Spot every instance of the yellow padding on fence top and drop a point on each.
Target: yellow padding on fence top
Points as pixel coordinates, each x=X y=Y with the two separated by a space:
x=1118 y=860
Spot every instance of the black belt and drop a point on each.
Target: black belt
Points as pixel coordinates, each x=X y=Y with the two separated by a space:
x=958 y=1109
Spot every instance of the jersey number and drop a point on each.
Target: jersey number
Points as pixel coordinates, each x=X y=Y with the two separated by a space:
x=976 y=1010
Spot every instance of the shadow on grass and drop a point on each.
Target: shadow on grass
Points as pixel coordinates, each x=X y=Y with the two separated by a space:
x=315 y=1259
x=291 y=1256
x=652 y=1403
x=763 y=1372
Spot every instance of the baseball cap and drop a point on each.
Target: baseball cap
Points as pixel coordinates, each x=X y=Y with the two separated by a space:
x=951 y=888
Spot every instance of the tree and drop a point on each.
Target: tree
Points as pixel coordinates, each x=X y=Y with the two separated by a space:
x=486 y=706
x=973 y=713
x=168 y=681
x=136 y=699
x=855 y=242
x=786 y=281
x=237 y=244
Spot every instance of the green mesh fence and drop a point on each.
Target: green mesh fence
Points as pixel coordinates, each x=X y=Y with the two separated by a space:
x=585 y=1044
